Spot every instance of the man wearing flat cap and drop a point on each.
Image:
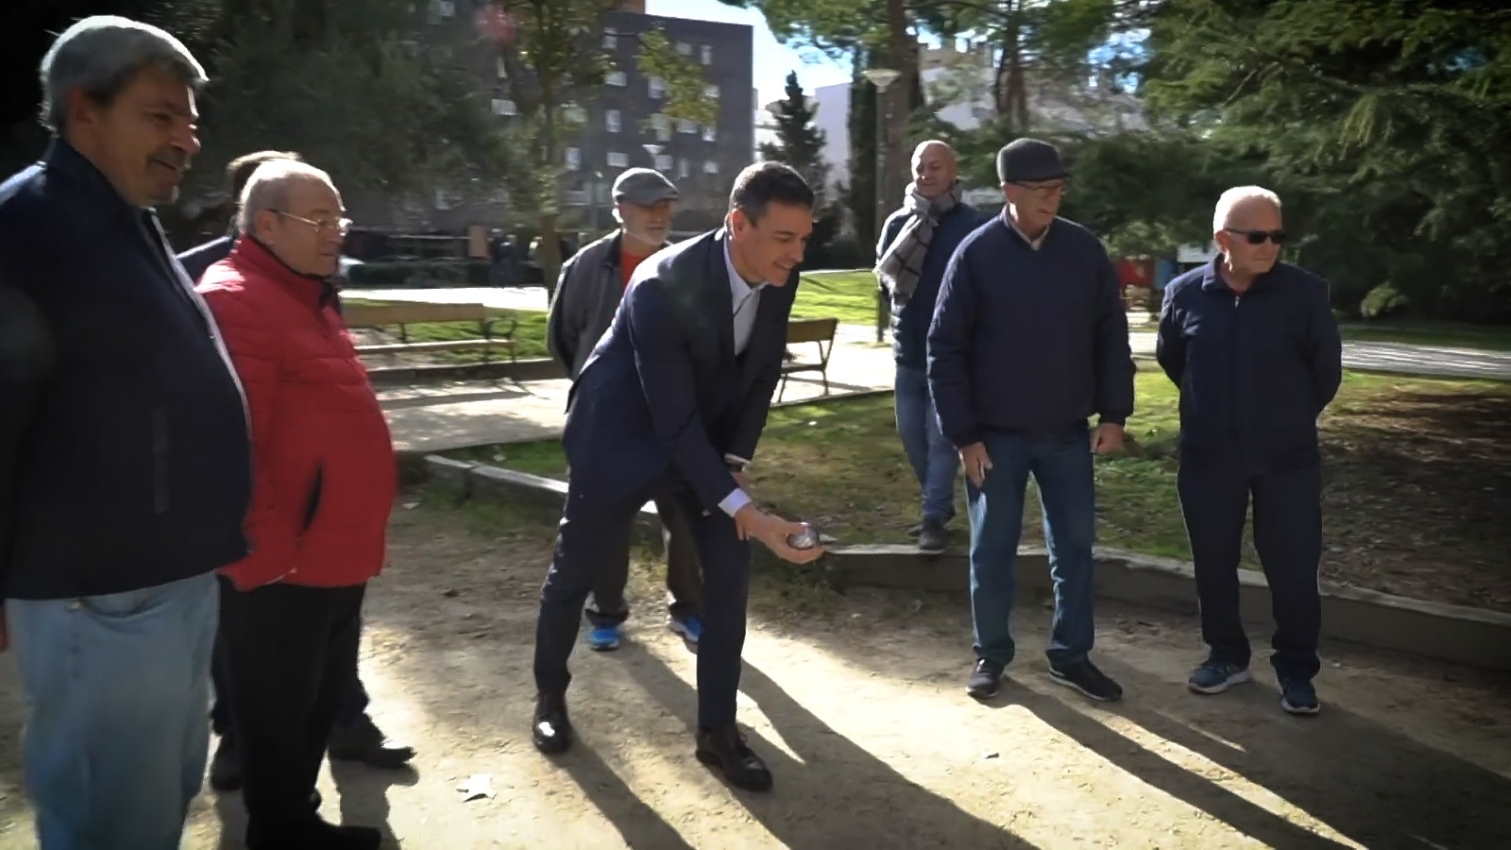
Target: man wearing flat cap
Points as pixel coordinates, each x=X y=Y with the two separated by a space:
x=587 y=296
x=1029 y=339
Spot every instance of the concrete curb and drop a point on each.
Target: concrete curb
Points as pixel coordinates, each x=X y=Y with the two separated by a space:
x=1457 y=633
x=535 y=369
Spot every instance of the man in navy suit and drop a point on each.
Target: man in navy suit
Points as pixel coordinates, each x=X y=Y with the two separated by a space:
x=671 y=403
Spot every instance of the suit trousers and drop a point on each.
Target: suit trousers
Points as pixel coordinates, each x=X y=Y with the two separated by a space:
x=684 y=584
x=288 y=650
x=593 y=531
x=1214 y=498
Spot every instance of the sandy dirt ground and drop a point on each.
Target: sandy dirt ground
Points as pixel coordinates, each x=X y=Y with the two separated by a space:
x=856 y=701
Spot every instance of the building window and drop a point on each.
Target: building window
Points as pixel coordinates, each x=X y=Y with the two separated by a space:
x=662 y=127
x=710 y=133
x=686 y=126
x=711 y=167
x=663 y=162
x=707 y=52
x=684 y=48
x=574 y=113
x=611 y=120
x=682 y=168
x=443 y=8
x=656 y=87
x=441 y=201
x=618 y=160
x=610 y=41
x=504 y=106
x=616 y=78
x=711 y=92
x=574 y=158
x=503 y=69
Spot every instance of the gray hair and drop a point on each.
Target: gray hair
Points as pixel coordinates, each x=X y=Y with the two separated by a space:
x=269 y=188
x=100 y=54
x=1236 y=196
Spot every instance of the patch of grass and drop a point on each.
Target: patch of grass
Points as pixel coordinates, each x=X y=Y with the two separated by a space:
x=540 y=457
x=1430 y=332
x=1415 y=484
x=847 y=296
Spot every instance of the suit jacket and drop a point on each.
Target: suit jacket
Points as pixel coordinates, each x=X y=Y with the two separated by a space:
x=663 y=392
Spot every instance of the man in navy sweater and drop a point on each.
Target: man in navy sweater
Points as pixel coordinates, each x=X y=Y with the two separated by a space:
x=1253 y=346
x=1029 y=339
x=916 y=243
x=125 y=467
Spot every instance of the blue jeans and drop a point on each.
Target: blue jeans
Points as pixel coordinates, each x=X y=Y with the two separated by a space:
x=933 y=457
x=1061 y=465
x=116 y=687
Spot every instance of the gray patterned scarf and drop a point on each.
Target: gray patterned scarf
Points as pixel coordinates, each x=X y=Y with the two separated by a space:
x=897 y=269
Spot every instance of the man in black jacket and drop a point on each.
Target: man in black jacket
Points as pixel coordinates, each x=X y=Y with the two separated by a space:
x=1029 y=339
x=124 y=456
x=1253 y=346
x=672 y=400
x=238 y=172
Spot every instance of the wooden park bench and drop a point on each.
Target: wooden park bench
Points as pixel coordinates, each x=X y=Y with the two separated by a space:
x=401 y=315
x=820 y=332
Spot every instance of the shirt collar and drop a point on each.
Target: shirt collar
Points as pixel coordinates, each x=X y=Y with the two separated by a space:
x=738 y=288
x=1035 y=244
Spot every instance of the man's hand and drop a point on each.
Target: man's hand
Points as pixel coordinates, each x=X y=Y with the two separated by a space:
x=1107 y=438
x=977 y=463
x=752 y=523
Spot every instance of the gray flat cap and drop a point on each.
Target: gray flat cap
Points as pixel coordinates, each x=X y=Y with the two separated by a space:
x=643 y=187
x=1028 y=159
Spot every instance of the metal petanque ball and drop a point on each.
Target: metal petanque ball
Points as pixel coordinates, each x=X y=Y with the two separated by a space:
x=805 y=539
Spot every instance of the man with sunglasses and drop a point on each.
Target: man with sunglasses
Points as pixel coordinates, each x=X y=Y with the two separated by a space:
x=1029 y=339
x=1253 y=346
x=323 y=482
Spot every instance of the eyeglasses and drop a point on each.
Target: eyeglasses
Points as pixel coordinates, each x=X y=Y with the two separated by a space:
x=1044 y=190
x=330 y=225
x=1257 y=237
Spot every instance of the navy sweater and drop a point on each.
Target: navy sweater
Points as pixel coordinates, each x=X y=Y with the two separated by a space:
x=1255 y=370
x=1026 y=340
x=124 y=457
x=910 y=322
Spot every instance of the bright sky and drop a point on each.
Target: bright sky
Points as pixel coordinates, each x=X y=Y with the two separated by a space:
x=772 y=59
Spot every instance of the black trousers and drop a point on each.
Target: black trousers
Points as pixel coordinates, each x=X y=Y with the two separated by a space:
x=684 y=582
x=352 y=702
x=1214 y=498
x=593 y=531
x=287 y=650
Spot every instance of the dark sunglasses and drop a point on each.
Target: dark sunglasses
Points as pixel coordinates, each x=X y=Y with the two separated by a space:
x=1257 y=237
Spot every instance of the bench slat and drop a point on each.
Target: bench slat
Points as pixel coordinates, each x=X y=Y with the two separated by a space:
x=378 y=315
x=440 y=345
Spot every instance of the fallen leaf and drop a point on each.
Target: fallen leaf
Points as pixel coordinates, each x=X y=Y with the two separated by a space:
x=476 y=787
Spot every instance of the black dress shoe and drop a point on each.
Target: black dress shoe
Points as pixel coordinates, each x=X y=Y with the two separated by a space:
x=362 y=740
x=225 y=767
x=312 y=834
x=725 y=749
x=550 y=729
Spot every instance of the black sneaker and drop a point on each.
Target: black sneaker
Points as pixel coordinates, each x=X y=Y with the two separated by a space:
x=984 y=680
x=1086 y=678
x=932 y=536
x=1297 y=696
x=1214 y=677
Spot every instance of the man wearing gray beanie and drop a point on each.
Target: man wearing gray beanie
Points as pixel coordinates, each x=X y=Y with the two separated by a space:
x=1029 y=339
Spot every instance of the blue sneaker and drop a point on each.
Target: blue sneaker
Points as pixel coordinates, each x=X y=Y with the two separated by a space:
x=1297 y=696
x=689 y=626
x=603 y=638
x=1214 y=677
